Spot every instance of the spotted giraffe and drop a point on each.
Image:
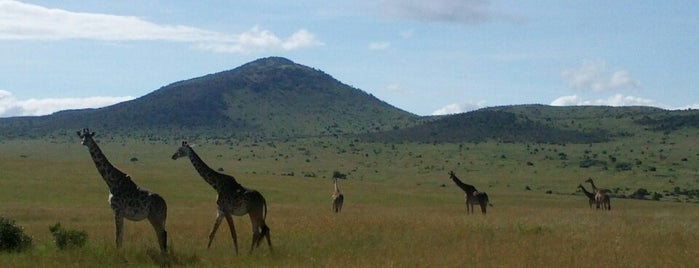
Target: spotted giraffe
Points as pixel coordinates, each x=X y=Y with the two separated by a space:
x=338 y=198
x=473 y=196
x=126 y=199
x=233 y=199
x=601 y=197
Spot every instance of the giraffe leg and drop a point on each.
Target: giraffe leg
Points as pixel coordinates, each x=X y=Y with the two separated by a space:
x=258 y=222
x=157 y=217
x=265 y=233
x=219 y=217
x=258 y=233
x=160 y=233
x=229 y=219
x=119 y=225
x=255 y=237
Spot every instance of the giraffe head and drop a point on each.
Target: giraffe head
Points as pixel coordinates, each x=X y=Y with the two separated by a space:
x=451 y=174
x=182 y=151
x=84 y=135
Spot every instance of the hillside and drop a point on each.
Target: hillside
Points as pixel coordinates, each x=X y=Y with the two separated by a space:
x=271 y=97
x=543 y=124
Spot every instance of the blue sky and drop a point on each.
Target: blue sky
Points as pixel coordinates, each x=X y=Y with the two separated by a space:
x=426 y=57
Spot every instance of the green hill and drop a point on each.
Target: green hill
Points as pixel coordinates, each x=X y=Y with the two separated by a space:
x=271 y=97
x=543 y=124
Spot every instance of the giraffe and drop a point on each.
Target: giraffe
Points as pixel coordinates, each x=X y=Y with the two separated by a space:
x=233 y=199
x=601 y=197
x=590 y=196
x=126 y=199
x=338 y=198
x=473 y=196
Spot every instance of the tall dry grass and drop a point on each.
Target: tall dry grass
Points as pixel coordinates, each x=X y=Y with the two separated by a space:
x=401 y=221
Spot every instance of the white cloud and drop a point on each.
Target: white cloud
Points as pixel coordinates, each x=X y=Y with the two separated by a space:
x=462 y=11
x=379 y=45
x=691 y=106
x=257 y=39
x=614 y=100
x=10 y=106
x=593 y=75
x=407 y=34
x=21 y=21
x=457 y=108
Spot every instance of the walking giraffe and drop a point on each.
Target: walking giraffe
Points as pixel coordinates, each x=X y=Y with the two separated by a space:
x=338 y=198
x=590 y=196
x=126 y=199
x=473 y=196
x=601 y=197
x=233 y=199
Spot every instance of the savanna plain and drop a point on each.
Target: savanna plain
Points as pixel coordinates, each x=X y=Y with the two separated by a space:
x=401 y=209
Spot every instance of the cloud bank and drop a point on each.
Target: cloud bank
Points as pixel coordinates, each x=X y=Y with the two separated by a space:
x=10 y=106
x=21 y=21
x=615 y=100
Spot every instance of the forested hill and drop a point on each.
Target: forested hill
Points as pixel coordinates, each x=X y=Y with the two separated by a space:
x=270 y=97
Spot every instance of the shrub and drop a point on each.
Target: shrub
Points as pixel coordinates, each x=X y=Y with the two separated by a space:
x=640 y=193
x=623 y=167
x=339 y=175
x=12 y=237
x=67 y=238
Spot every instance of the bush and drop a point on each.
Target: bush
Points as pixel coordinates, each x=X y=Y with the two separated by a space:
x=67 y=238
x=339 y=175
x=12 y=237
x=640 y=193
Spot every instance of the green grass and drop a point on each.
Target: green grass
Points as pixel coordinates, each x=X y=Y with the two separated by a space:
x=400 y=209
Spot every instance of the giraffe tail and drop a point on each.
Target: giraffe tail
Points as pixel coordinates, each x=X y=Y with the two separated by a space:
x=264 y=204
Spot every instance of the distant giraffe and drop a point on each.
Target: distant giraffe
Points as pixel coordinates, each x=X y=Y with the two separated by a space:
x=338 y=198
x=473 y=196
x=602 y=199
x=590 y=196
x=126 y=199
x=233 y=199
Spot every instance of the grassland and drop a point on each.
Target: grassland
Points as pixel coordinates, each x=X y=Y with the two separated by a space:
x=400 y=207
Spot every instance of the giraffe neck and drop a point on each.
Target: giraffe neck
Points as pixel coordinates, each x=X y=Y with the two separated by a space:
x=217 y=180
x=588 y=194
x=469 y=189
x=594 y=188
x=337 y=189
x=116 y=180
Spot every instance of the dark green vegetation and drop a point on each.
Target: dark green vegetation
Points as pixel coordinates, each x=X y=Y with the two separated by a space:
x=66 y=238
x=12 y=236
